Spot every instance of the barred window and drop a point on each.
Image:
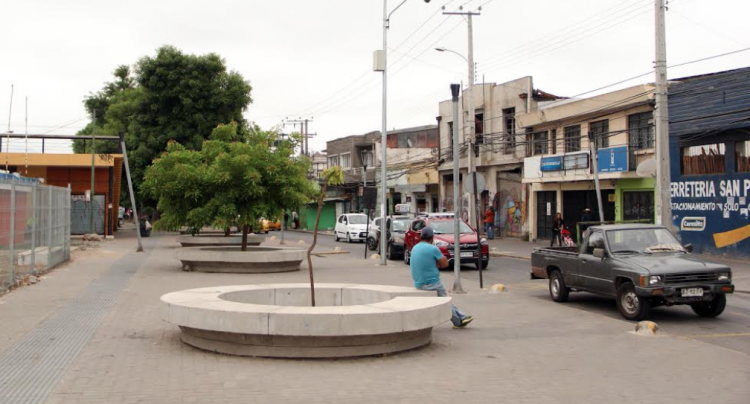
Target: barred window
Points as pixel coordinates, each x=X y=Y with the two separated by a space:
x=572 y=138
x=641 y=131
x=333 y=161
x=541 y=143
x=600 y=130
x=509 y=119
x=742 y=150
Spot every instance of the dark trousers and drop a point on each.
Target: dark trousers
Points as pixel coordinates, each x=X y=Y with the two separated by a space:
x=555 y=235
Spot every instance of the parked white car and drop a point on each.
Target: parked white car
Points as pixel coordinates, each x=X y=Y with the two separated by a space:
x=351 y=227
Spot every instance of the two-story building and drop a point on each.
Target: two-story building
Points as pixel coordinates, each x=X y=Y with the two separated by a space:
x=499 y=153
x=709 y=145
x=559 y=170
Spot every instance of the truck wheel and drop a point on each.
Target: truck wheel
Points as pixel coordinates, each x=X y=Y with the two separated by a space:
x=632 y=306
x=557 y=289
x=712 y=308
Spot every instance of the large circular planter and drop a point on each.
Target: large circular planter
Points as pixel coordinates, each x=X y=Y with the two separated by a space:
x=219 y=241
x=277 y=321
x=234 y=260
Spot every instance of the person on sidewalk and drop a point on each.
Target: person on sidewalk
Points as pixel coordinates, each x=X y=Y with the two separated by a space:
x=286 y=219
x=489 y=222
x=426 y=259
x=295 y=220
x=557 y=226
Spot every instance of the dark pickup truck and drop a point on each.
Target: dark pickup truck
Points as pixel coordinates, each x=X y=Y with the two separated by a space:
x=642 y=266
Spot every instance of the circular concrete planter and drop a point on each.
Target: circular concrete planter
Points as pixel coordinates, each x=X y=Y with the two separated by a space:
x=276 y=320
x=211 y=240
x=233 y=260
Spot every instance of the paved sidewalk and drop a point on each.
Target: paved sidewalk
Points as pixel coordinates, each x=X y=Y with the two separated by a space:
x=520 y=348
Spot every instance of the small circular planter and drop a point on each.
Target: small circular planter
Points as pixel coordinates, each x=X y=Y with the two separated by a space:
x=276 y=320
x=211 y=240
x=233 y=260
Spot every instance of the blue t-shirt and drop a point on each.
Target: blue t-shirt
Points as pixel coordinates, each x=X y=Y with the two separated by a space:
x=424 y=258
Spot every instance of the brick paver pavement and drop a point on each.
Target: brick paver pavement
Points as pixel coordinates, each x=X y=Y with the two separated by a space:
x=520 y=349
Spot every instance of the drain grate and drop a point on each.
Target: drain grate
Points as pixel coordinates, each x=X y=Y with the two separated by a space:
x=31 y=368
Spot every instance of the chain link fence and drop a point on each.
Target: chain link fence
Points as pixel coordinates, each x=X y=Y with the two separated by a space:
x=34 y=228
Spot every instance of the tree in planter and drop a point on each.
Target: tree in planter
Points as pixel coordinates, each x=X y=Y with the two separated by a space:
x=332 y=176
x=233 y=179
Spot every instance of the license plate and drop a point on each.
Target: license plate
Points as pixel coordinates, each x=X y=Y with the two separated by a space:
x=692 y=292
x=467 y=254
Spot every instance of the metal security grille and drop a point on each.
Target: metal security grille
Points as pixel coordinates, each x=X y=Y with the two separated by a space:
x=34 y=228
x=30 y=369
x=80 y=214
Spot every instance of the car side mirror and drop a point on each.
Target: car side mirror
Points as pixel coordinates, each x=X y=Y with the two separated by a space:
x=598 y=252
x=688 y=247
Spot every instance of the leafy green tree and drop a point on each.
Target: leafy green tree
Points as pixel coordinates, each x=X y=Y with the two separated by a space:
x=233 y=179
x=169 y=97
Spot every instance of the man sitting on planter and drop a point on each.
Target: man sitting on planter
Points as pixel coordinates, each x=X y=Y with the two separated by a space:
x=425 y=261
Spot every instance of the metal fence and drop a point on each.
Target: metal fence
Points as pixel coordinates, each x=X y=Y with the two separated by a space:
x=34 y=228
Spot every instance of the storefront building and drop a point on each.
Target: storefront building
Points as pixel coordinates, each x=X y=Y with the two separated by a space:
x=710 y=162
x=559 y=169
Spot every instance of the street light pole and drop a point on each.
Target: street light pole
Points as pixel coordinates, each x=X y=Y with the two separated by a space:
x=661 y=121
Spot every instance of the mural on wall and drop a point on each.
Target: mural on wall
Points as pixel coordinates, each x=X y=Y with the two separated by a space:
x=510 y=210
x=714 y=208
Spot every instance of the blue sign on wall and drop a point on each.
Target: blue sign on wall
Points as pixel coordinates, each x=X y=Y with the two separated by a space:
x=553 y=163
x=613 y=159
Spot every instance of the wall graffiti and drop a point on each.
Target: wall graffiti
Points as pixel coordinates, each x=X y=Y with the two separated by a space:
x=510 y=209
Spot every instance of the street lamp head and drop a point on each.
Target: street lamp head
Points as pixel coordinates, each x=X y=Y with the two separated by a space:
x=440 y=49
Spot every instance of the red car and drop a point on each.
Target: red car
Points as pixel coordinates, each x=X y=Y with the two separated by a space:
x=443 y=228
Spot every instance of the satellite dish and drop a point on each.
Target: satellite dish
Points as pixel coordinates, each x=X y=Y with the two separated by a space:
x=646 y=168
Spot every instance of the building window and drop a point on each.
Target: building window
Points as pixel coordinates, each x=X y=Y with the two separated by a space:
x=572 y=138
x=703 y=159
x=638 y=205
x=346 y=161
x=553 y=136
x=600 y=130
x=742 y=150
x=541 y=143
x=333 y=161
x=509 y=120
x=449 y=152
x=641 y=131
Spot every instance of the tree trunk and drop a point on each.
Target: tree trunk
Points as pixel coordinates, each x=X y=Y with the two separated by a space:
x=244 y=237
x=315 y=240
x=227 y=232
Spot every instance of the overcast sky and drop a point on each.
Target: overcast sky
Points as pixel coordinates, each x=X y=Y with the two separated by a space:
x=314 y=58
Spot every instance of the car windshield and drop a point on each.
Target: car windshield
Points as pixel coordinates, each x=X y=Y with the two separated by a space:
x=446 y=227
x=636 y=241
x=357 y=219
x=400 y=225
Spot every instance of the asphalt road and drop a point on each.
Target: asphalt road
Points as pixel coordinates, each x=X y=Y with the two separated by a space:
x=731 y=330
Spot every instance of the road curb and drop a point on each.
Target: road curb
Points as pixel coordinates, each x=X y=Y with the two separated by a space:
x=508 y=255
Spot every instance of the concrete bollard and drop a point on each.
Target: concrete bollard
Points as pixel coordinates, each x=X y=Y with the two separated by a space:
x=375 y=257
x=498 y=288
x=647 y=328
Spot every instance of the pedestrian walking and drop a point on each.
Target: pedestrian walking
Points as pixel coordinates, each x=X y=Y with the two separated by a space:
x=295 y=219
x=557 y=226
x=489 y=222
x=286 y=219
x=426 y=260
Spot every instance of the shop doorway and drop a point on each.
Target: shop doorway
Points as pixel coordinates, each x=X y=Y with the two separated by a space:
x=574 y=202
x=546 y=207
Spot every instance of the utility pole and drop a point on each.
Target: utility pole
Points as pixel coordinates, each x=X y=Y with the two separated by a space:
x=661 y=118
x=472 y=167
x=303 y=149
x=456 y=197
